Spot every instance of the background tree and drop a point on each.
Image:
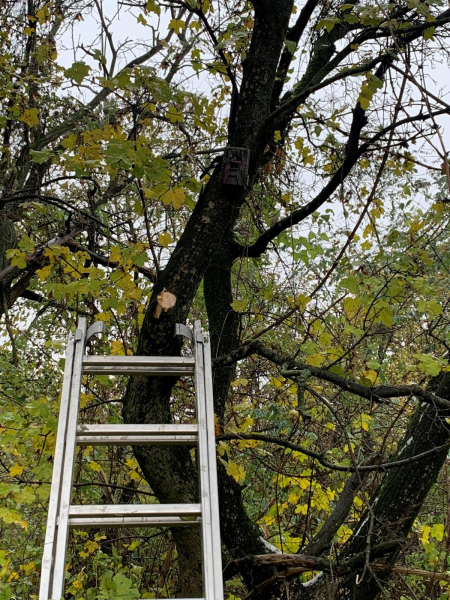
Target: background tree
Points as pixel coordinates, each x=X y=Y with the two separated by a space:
x=323 y=282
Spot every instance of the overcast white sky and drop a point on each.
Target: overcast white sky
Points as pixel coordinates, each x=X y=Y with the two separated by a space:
x=131 y=34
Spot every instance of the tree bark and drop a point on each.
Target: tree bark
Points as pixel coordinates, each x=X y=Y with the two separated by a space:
x=398 y=498
x=170 y=471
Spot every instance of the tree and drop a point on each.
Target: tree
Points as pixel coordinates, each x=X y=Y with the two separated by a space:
x=323 y=282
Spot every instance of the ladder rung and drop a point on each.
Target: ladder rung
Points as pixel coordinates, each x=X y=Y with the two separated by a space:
x=139 y=365
x=134 y=515
x=94 y=522
x=136 y=435
x=133 y=510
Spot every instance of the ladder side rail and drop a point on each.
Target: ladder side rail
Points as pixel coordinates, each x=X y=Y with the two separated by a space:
x=59 y=569
x=205 y=495
x=58 y=462
x=212 y=470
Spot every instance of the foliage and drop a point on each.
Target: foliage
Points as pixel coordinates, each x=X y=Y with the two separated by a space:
x=332 y=263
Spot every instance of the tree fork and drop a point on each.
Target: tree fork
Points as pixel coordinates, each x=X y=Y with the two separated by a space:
x=169 y=471
x=397 y=500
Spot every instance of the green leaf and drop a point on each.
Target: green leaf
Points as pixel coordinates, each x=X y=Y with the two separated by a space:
x=17 y=258
x=26 y=244
x=328 y=24
x=141 y=19
x=174 y=115
x=385 y=316
x=152 y=6
x=428 y=34
x=428 y=364
x=368 y=90
x=239 y=305
x=350 y=283
x=290 y=45
x=431 y=307
x=165 y=239
x=41 y=156
x=78 y=71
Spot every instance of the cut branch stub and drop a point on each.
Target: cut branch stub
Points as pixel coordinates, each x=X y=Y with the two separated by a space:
x=165 y=301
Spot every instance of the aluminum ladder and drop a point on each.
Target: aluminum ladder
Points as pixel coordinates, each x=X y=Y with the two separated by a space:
x=63 y=515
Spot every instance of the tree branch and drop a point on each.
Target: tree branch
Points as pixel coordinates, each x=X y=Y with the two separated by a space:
x=308 y=563
x=363 y=468
x=260 y=245
x=375 y=393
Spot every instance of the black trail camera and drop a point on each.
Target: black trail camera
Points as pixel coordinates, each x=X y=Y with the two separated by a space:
x=235 y=166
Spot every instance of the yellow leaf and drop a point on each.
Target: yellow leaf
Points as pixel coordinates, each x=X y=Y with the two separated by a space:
x=116 y=254
x=134 y=544
x=235 y=471
x=16 y=470
x=95 y=466
x=302 y=509
x=316 y=360
x=30 y=117
x=248 y=444
x=84 y=399
x=275 y=382
x=117 y=348
x=351 y=305
x=29 y=568
x=17 y=258
x=174 y=115
x=438 y=532
x=277 y=136
x=425 y=535
x=369 y=375
x=91 y=546
x=165 y=239
x=132 y=463
x=69 y=142
x=44 y=272
x=238 y=382
x=176 y=196
x=177 y=25
x=247 y=424
x=344 y=533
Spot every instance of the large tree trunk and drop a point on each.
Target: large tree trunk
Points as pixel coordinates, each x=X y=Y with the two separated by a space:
x=170 y=471
x=8 y=240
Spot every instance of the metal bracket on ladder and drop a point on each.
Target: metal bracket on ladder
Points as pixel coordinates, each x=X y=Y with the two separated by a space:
x=62 y=515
